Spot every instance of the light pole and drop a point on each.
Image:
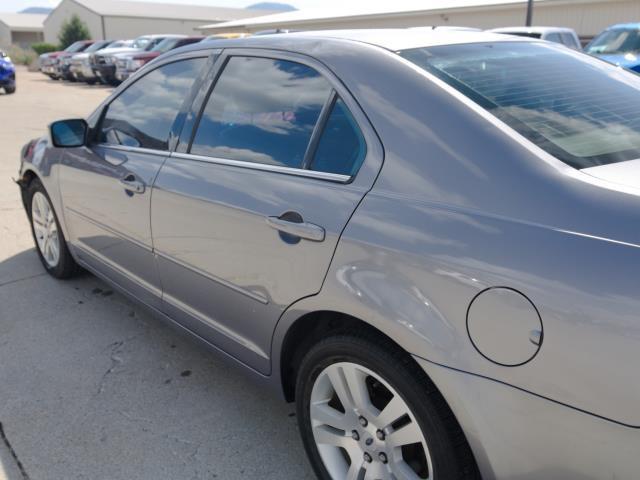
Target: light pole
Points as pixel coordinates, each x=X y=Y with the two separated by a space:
x=529 y=12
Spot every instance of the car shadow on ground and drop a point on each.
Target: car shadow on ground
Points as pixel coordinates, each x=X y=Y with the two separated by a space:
x=94 y=386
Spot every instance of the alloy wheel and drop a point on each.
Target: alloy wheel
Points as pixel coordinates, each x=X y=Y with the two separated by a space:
x=45 y=229
x=363 y=428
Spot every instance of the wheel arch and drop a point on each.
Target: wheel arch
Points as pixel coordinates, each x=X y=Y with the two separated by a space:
x=311 y=327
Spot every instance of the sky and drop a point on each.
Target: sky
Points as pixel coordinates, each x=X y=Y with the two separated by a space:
x=16 y=5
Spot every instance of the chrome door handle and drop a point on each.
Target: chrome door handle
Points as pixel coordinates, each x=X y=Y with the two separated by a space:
x=131 y=183
x=305 y=230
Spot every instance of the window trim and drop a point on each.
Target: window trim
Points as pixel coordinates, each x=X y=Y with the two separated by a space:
x=299 y=172
x=338 y=90
x=208 y=55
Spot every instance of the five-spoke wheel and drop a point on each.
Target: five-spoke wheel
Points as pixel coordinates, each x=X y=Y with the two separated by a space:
x=45 y=229
x=50 y=243
x=367 y=411
x=363 y=428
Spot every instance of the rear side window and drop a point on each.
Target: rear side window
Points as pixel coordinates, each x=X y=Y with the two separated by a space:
x=341 y=147
x=262 y=110
x=581 y=110
x=142 y=116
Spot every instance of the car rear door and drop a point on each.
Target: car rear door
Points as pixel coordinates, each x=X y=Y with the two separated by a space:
x=246 y=214
x=106 y=186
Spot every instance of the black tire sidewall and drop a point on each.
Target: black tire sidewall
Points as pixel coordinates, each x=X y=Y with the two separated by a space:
x=392 y=370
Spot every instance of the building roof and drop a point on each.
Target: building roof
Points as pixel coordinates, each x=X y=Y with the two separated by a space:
x=121 y=8
x=300 y=17
x=23 y=22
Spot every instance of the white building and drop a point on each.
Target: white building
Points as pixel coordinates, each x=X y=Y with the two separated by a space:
x=586 y=17
x=21 y=29
x=115 y=19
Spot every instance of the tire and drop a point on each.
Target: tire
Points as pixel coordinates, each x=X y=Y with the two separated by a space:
x=10 y=90
x=61 y=265
x=366 y=440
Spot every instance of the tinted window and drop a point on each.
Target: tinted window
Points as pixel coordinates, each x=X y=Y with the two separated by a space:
x=143 y=114
x=523 y=34
x=581 y=110
x=262 y=110
x=341 y=148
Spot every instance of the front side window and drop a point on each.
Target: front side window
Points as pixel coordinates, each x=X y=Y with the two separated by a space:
x=581 y=110
x=262 y=110
x=142 y=116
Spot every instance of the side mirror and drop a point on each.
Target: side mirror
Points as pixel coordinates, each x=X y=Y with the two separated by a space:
x=69 y=133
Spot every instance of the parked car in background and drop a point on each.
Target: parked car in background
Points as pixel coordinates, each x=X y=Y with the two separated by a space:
x=429 y=241
x=103 y=62
x=618 y=44
x=7 y=74
x=63 y=61
x=564 y=36
x=128 y=63
x=80 y=64
x=48 y=61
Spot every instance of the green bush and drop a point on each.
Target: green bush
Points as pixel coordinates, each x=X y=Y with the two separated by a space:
x=19 y=55
x=44 y=47
x=72 y=31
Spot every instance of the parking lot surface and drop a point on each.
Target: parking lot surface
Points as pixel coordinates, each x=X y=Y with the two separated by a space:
x=94 y=387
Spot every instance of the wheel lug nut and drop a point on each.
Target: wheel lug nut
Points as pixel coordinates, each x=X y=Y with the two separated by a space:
x=380 y=434
x=355 y=435
x=368 y=441
x=367 y=457
x=383 y=457
x=363 y=421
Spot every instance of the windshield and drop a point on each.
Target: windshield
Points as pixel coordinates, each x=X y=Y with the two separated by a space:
x=166 y=45
x=617 y=40
x=97 y=46
x=75 y=47
x=151 y=45
x=141 y=42
x=583 y=111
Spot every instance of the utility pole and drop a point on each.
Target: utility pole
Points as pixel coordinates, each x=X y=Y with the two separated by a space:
x=529 y=12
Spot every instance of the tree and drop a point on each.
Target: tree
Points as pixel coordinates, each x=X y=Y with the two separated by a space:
x=72 y=31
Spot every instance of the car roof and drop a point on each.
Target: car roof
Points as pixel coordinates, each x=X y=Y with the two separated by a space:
x=531 y=29
x=394 y=39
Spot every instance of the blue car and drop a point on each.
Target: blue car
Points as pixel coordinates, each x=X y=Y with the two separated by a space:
x=618 y=44
x=7 y=73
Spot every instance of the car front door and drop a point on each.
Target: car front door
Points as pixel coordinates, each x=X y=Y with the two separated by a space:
x=106 y=186
x=246 y=214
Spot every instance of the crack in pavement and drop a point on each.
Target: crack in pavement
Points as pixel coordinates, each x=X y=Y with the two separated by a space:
x=116 y=348
x=9 y=282
x=19 y=464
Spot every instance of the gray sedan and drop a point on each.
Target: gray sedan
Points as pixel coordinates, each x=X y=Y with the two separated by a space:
x=428 y=240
